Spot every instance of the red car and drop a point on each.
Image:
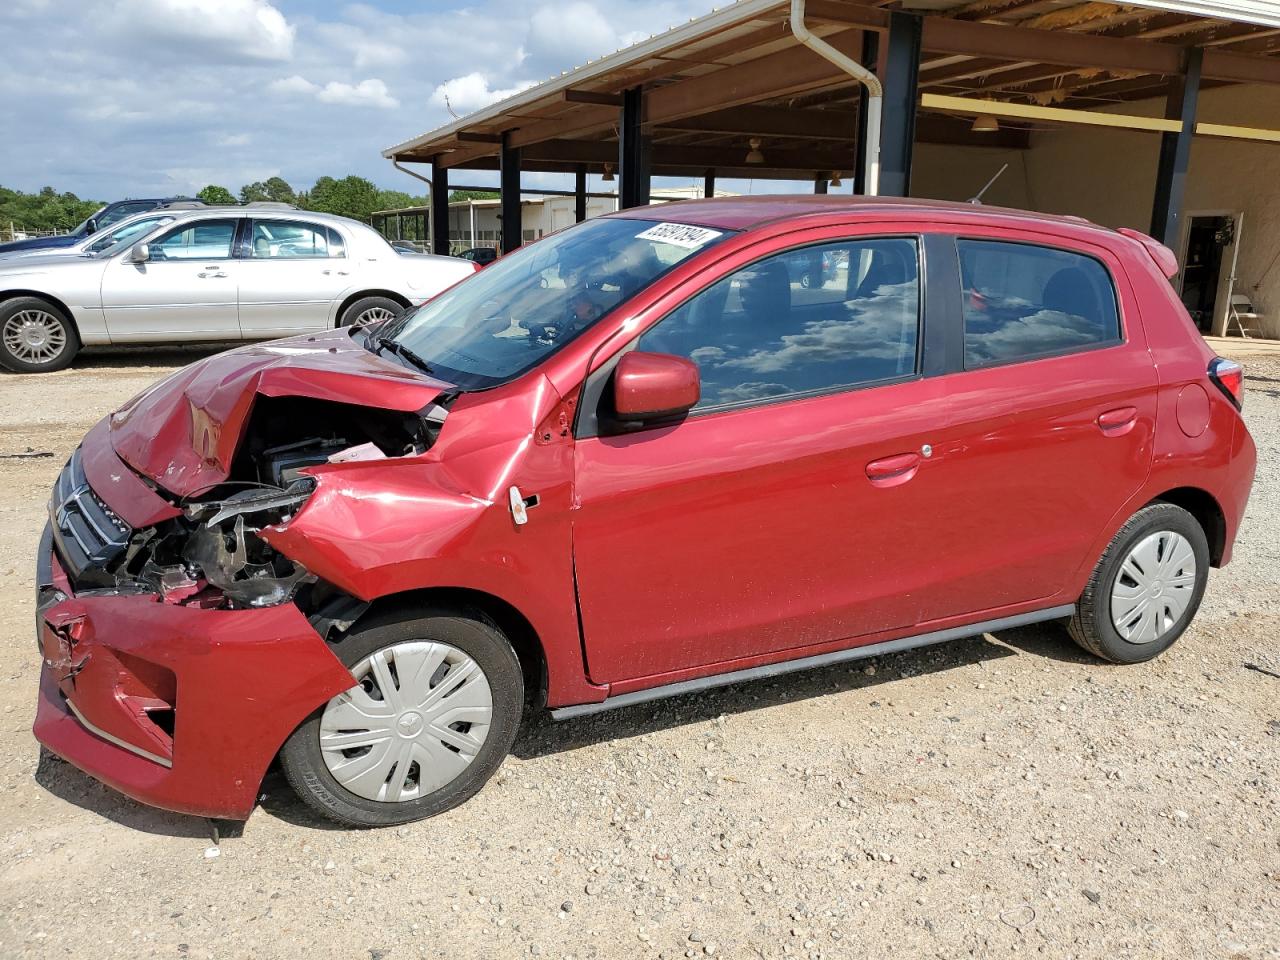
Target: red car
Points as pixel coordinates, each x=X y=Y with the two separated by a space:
x=641 y=457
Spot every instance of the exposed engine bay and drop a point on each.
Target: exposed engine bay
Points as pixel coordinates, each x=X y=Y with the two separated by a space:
x=212 y=554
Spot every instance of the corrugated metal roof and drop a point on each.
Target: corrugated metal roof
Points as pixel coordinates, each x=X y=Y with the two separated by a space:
x=1264 y=12
x=739 y=18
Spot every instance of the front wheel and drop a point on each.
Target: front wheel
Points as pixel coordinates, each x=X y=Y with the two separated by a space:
x=1146 y=588
x=35 y=336
x=434 y=710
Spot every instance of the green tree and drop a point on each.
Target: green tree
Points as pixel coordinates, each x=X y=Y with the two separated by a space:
x=398 y=200
x=254 y=192
x=351 y=196
x=457 y=195
x=216 y=194
x=43 y=211
x=279 y=191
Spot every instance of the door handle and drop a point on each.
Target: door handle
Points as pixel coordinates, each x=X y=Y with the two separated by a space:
x=892 y=471
x=1118 y=422
x=211 y=272
x=340 y=273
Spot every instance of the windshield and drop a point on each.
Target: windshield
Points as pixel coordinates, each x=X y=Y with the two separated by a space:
x=507 y=319
x=112 y=241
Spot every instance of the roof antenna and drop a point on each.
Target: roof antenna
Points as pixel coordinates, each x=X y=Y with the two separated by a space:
x=976 y=200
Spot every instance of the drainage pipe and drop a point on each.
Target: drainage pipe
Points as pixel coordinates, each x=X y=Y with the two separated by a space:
x=875 y=92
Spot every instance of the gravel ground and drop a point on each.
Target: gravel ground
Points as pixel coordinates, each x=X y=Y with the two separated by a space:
x=1002 y=795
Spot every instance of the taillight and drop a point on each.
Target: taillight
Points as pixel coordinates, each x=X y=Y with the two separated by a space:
x=1229 y=376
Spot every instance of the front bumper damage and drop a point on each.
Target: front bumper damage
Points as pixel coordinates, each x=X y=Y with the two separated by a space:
x=178 y=707
x=174 y=704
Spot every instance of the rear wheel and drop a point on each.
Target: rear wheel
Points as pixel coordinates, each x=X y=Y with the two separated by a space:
x=1146 y=588
x=370 y=310
x=35 y=336
x=434 y=710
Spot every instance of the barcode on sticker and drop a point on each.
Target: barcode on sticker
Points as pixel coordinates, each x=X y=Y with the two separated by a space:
x=679 y=234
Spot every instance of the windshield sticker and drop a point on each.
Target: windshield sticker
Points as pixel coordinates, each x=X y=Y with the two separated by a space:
x=680 y=235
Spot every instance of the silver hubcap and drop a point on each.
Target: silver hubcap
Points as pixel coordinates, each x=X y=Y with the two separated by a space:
x=1154 y=587
x=373 y=315
x=34 y=336
x=417 y=717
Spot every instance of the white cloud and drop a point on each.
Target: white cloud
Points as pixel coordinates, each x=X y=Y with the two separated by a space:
x=370 y=48
x=235 y=140
x=370 y=93
x=250 y=29
x=570 y=35
x=293 y=84
x=471 y=92
x=366 y=93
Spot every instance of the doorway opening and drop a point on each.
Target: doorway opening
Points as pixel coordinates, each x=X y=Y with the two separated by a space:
x=1208 y=267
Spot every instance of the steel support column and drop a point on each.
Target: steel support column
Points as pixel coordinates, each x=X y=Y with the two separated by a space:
x=870 y=60
x=709 y=183
x=439 y=208
x=1175 y=151
x=819 y=184
x=901 y=76
x=509 y=184
x=580 y=193
x=633 y=152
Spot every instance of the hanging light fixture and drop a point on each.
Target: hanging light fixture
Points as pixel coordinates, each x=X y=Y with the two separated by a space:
x=754 y=155
x=835 y=178
x=608 y=173
x=985 y=123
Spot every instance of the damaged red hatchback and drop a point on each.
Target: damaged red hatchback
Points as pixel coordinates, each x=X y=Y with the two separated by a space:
x=671 y=448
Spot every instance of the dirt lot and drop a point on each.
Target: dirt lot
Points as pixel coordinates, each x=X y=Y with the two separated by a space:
x=1000 y=796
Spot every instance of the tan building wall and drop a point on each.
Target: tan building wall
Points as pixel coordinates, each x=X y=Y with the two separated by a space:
x=1108 y=176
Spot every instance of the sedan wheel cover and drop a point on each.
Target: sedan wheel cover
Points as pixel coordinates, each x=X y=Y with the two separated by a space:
x=373 y=315
x=34 y=336
x=416 y=719
x=1154 y=587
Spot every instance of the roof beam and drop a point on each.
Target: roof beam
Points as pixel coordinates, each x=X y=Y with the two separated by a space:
x=1066 y=49
x=1026 y=111
x=813 y=159
x=1240 y=67
x=591 y=96
x=754 y=121
x=793 y=70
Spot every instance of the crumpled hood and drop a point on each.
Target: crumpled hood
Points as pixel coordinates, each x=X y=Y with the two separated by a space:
x=183 y=432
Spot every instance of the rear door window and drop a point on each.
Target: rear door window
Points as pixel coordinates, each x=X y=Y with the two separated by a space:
x=806 y=321
x=291 y=240
x=1023 y=301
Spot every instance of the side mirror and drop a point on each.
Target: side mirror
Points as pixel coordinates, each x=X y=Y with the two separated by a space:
x=91 y=226
x=647 y=386
x=140 y=253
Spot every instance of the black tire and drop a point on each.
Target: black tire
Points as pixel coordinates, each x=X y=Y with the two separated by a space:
x=354 y=314
x=469 y=632
x=1092 y=627
x=54 y=322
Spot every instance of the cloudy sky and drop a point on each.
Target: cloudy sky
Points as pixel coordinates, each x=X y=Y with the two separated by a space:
x=115 y=98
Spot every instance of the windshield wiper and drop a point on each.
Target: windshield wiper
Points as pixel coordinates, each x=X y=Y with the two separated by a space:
x=401 y=350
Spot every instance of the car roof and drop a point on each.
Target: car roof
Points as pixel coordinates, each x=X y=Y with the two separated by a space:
x=261 y=213
x=751 y=213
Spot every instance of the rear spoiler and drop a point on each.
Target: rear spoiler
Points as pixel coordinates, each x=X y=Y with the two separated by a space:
x=1162 y=255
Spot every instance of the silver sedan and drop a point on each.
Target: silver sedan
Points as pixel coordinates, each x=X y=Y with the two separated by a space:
x=210 y=275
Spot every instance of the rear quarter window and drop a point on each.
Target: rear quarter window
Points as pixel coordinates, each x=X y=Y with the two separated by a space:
x=1023 y=301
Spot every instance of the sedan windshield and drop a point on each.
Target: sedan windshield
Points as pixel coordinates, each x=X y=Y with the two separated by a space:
x=505 y=320
x=105 y=244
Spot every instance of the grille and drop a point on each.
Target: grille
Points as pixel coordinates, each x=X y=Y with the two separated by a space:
x=86 y=532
